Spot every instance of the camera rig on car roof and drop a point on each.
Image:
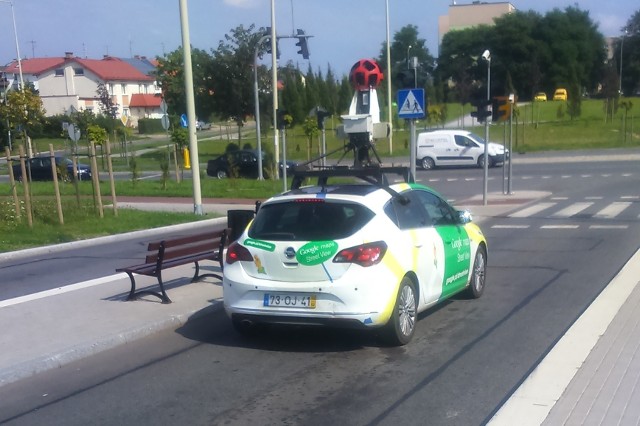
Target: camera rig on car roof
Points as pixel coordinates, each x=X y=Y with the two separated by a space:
x=360 y=128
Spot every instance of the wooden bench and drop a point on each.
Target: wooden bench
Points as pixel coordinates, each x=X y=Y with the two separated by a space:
x=176 y=252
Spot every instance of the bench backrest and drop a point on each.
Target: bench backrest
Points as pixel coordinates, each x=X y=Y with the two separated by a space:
x=183 y=246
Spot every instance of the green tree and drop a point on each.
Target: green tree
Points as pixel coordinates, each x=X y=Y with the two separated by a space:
x=170 y=75
x=629 y=46
x=107 y=106
x=406 y=43
x=23 y=109
x=232 y=71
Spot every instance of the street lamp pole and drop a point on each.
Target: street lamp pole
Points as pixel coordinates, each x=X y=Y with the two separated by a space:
x=621 y=44
x=191 y=107
x=15 y=33
x=487 y=57
x=390 y=116
x=274 y=86
x=257 y=102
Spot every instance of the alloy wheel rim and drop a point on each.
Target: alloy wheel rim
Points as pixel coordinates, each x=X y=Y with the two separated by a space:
x=479 y=272
x=407 y=311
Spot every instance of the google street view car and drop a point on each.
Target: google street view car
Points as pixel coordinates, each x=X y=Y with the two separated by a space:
x=369 y=255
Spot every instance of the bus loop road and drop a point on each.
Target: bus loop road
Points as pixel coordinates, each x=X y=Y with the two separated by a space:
x=549 y=271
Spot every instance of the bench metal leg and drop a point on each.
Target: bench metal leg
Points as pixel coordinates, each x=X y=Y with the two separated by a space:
x=133 y=294
x=197 y=277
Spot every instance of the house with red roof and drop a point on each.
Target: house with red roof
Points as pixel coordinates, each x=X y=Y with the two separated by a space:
x=69 y=82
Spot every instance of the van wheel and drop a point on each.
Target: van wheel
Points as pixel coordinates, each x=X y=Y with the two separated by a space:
x=427 y=163
x=221 y=174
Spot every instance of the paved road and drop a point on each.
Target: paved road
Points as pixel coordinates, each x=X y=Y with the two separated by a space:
x=546 y=268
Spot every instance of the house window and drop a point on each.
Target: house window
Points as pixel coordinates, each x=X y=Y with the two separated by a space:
x=110 y=89
x=123 y=87
x=59 y=72
x=78 y=71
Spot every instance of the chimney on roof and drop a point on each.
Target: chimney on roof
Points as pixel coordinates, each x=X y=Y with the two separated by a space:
x=68 y=55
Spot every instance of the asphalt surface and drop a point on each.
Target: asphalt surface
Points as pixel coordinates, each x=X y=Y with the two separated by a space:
x=596 y=384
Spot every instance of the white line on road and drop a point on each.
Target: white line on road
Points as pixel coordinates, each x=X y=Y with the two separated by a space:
x=532 y=210
x=609 y=227
x=574 y=208
x=61 y=290
x=560 y=227
x=612 y=210
x=510 y=226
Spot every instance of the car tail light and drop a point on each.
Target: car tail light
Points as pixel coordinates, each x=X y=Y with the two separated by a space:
x=237 y=252
x=364 y=255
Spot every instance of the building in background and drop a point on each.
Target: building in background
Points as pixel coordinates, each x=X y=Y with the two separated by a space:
x=461 y=16
x=70 y=83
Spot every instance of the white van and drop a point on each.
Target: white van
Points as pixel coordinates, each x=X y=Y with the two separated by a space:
x=455 y=148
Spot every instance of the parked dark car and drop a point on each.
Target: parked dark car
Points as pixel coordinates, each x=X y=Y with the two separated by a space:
x=40 y=168
x=240 y=163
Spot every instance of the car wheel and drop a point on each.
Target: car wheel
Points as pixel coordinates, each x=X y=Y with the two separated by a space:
x=221 y=174
x=402 y=324
x=479 y=274
x=427 y=163
x=481 y=161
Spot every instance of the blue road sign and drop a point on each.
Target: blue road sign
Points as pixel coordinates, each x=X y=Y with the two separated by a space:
x=183 y=120
x=411 y=103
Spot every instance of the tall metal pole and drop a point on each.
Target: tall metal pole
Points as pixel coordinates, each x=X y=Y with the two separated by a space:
x=274 y=84
x=257 y=106
x=487 y=57
x=191 y=107
x=15 y=34
x=621 y=44
x=388 y=77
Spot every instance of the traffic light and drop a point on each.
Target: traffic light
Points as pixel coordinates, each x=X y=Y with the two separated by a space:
x=321 y=114
x=268 y=43
x=281 y=118
x=501 y=109
x=302 y=44
x=405 y=79
x=481 y=112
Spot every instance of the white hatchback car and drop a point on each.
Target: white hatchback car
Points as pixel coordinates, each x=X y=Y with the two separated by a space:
x=356 y=255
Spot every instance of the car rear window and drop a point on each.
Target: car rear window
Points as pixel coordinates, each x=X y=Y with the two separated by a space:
x=309 y=220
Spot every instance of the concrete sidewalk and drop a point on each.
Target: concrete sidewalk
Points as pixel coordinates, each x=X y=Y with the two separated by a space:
x=56 y=327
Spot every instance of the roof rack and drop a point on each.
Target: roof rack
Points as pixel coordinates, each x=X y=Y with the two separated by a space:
x=375 y=175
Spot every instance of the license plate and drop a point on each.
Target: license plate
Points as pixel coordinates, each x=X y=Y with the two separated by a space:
x=287 y=300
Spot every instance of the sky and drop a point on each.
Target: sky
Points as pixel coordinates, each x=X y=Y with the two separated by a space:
x=343 y=31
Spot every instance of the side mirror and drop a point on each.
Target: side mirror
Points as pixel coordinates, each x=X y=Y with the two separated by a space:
x=464 y=216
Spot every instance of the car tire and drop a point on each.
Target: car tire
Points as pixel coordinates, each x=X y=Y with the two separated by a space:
x=478 y=274
x=401 y=326
x=481 y=161
x=221 y=174
x=427 y=163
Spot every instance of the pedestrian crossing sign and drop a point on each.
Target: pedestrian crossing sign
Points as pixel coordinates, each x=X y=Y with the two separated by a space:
x=411 y=103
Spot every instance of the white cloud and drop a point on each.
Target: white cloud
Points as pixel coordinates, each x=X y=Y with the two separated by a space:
x=609 y=25
x=243 y=4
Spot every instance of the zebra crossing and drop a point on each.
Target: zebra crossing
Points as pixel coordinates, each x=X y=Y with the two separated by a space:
x=576 y=214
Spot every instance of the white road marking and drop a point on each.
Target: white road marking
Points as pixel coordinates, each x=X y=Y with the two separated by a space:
x=565 y=176
x=574 y=208
x=585 y=176
x=630 y=197
x=593 y=198
x=559 y=198
x=612 y=210
x=560 y=227
x=531 y=403
x=61 y=290
x=532 y=210
x=609 y=227
x=510 y=226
